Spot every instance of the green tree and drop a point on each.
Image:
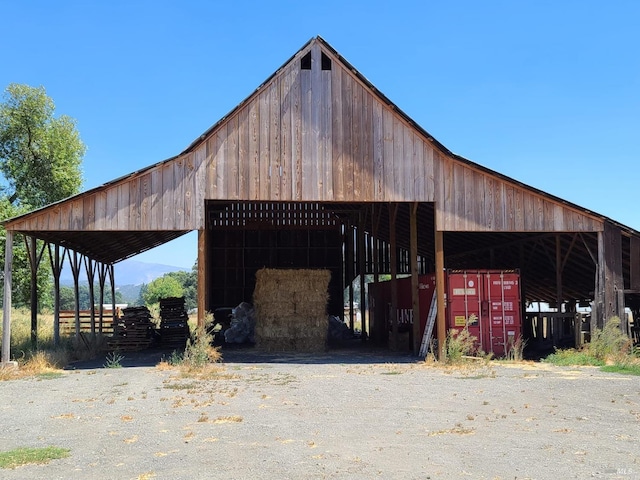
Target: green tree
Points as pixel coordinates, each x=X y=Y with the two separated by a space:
x=163 y=287
x=68 y=302
x=189 y=282
x=40 y=156
x=67 y=298
x=40 y=159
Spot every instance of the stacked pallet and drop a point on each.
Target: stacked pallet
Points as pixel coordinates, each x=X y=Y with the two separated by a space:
x=174 y=326
x=133 y=330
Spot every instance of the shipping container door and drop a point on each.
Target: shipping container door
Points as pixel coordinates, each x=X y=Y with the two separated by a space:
x=464 y=303
x=502 y=291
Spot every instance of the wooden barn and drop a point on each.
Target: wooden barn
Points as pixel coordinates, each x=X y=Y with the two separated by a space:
x=317 y=169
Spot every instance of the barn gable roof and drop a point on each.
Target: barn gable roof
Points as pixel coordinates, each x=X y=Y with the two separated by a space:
x=315 y=131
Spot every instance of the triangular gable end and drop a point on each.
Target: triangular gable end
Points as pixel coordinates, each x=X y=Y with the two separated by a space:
x=316 y=130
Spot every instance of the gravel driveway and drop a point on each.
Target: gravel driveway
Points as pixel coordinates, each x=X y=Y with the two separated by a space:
x=351 y=415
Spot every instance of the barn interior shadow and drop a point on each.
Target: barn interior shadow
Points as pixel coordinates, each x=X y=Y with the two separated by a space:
x=357 y=353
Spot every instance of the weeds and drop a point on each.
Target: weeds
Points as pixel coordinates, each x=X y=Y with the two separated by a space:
x=460 y=343
x=610 y=349
x=23 y=456
x=515 y=351
x=571 y=356
x=610 y=343
x=199 y=353
x=113 y=360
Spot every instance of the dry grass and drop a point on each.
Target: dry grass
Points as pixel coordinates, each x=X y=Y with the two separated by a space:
x=228 y=419
x=44 y=364
x=21 y=329
x=46 y=360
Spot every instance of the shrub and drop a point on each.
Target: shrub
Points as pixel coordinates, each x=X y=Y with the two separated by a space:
x=199 y=350
x=610 y=343
x=459 y=344
x=571 y=356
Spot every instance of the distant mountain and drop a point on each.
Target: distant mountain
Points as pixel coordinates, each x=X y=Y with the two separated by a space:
x=133 y=272
x=129 y=293
x=129 y=272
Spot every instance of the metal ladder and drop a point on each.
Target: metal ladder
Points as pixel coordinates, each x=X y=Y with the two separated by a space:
x=428 y=330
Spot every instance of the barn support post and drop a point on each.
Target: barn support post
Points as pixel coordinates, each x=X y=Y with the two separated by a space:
x=609 y=278
x=393 y=254
x=361 y=273
x=598 y=294
x=634 y=273
x=415 y=298
x=112 y=279
x=203 y=241
x=90 y=268
x=34 y=261
x=555 y=324
x=102 y=279
x=375 y=217
x=56 y=268
x=440 y=293
x=6 y=306
x=349 y=267
x=75 y=261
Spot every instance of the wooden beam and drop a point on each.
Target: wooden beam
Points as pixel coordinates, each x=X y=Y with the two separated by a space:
x=102 y=279
x=559 y=266
x=34 y=260
x=75 y=261
x=609 y=277
x=568 y=254
x=349 y=268
x=440 y=294
x=613 y=274
x=500 y=246
x=598 y=295
x=586 y=246
x=415 y=299
x=6 y=306
x=56 y=267
x=90 y=268
x=635 y=263
x=112 y=280
x=361 y=271
x=393 y=213
x=375 y=221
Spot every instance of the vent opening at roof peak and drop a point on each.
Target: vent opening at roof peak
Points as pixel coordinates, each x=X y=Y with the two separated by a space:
x=305 y=62
x=325 y=61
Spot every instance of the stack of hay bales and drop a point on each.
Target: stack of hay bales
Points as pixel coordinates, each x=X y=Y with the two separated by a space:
x=291 y=310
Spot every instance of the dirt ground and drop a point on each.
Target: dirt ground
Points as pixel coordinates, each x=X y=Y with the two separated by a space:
x=347 y=415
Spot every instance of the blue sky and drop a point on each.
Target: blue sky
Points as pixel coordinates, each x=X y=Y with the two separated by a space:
x=547 y=92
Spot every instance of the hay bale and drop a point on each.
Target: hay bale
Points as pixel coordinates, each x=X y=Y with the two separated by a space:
x=291 y=309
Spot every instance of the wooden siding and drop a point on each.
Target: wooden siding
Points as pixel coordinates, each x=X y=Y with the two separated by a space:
x=313 y=135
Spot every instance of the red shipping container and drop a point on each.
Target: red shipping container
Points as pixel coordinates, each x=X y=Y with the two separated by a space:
x=486 y=302
x=381 y=301
x=502 y=291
